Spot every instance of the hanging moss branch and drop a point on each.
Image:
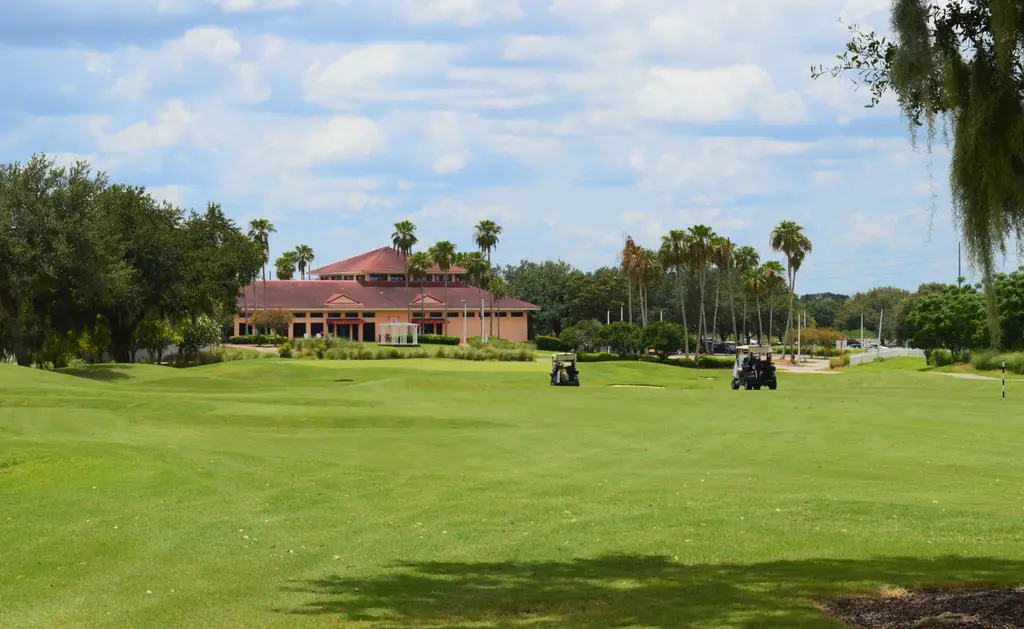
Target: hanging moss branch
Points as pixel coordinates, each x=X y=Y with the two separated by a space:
x=959 y=61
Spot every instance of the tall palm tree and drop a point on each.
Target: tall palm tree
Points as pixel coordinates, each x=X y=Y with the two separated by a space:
x=303 y=257
x=260 y=230
x=789 y=239
x=699 y=259
x=417 y=266
x=403 y=239
x=498 y=288
x=443 y=254
x=731 y=275
x=285 y=265
x=771 y=284
x=630 y=267
x=673 y=256
x=721 y=256
x=753 y=285
x=648 y=272
x=477 y=270
x=746 y=259
x=486 y=237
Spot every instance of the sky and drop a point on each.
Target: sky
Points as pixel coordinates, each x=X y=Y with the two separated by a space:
x=571 y=123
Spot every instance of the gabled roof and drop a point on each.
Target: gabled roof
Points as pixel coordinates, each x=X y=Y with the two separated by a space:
x=315 y=295
x=383 y=260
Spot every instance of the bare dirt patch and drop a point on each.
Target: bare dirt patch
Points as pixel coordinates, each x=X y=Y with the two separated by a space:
x=1001 y=608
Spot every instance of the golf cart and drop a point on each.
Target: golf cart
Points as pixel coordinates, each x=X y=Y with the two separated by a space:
x=754 y=368
x=563 y=371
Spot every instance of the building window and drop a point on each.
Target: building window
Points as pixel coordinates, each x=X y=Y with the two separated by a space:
x=299 y=315
x=243 y=315
x=436 y=315
x=316 y=315
x=417 y=315
x=378 y=278
x=470 y=315
x=351 y=315
x=368 y=315
x=487 y=315
x=361 y=278
x=333 y=315
x=397 y=278
x=349 y=277
x=453 y=314
x=502 y=314
x=517 y=314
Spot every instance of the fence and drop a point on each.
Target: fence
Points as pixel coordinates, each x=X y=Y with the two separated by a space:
x=898 y=352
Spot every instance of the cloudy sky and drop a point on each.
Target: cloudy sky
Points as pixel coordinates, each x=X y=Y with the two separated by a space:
x=569 y=122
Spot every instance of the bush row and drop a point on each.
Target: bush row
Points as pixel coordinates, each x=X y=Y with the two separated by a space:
x=257 y=339
x=991 y=361
x=702 y=362
x=439 y=339
x=553 y=344
x=357 y=352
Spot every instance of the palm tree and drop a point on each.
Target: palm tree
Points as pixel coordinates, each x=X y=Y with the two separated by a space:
x=498 y=288
x=403 y=239
x=260 y=230
x=486 y=237
x=303 y=257
x=745 y=259
x=477 y=270
x=285 y=265
x=416 y=267
x=630 y=268
x=698 y=258
x=673 y=256
x=771 y=284
x=753 y=285
x=443 y=254
x=789 y=239
x=721 y=256
x=648 y=271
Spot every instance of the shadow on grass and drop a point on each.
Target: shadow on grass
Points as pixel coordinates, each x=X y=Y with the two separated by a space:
x=628 y=591
x=98 y=372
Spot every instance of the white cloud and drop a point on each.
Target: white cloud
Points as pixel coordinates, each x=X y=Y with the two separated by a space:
x=450 y=163
x=464 y=12
x=173 y=122
x=718 y=95
x=869 y=228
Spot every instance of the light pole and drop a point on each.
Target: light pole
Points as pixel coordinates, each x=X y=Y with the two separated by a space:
x=464 y=323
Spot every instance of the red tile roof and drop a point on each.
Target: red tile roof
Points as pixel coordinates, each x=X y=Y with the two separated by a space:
x=383 y=260
x=351 y=295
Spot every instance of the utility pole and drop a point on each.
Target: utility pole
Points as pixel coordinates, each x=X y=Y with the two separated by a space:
x=959 y=271
x=880 y=315
x=622 y=316
x=863 y=342
x=608 y=318
x=483 y=333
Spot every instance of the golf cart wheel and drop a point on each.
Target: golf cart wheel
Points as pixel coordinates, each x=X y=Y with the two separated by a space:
x=757 y=387
x=735 y=385
x=773 y=385
x=748 y=386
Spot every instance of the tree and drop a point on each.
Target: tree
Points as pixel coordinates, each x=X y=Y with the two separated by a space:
x=648 y=271
x=952 y=319
x=543 y=283
x=789 y=239
x=260 y=230
x=823 y=307
x=878 y=305
x=54 y=260
x=622 y=337
x=155 y=336
x=630 y=264
x=486 y=237
x=478 y=270
x=699 y=259
x=403 y=239
x=1010 y=295
x=753 y=281
x=673 y=252
x=746 y=259
x=583 y=335
x=959 y=62
x=417 y=266
x=721 y=257
x=772 y=284
x=275 y=321
x=664 y=337
x=201 y=332
x=443 y=253
x=498 y=289
x=285 y=265
x=592 y=295
x=303 y=258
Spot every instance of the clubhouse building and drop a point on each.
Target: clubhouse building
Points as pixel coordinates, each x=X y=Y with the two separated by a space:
x=351 y=298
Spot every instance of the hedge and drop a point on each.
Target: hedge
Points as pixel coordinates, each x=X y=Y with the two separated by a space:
x=552 y=344
x=439 y=339
x=258 y=339
x=703 y=362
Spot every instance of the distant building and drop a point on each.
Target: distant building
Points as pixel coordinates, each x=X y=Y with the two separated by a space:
x=350 y=298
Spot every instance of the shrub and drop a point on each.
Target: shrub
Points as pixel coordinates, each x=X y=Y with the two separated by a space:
x=439 y=339
x=942 y=357
x=196 y=335
x=336 y=353
x=600 y=357
x=320 y=350
x=284 y=350
x=715 y=362
x=664 y=337
x=552 y=344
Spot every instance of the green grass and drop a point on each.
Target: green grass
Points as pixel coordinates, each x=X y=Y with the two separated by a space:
x=427 y=494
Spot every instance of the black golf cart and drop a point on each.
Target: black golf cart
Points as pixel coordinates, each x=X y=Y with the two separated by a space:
x=754 y=368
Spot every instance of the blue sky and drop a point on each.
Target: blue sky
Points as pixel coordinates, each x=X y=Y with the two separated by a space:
x=569 y=122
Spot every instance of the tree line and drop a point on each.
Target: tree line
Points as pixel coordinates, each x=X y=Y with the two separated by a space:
x=90 y=264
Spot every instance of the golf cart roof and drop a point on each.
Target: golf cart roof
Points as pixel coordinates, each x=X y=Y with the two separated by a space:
x=755 y=349
x=564 y=358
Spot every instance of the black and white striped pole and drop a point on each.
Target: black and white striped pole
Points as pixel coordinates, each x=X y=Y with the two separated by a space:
x=1004 y=379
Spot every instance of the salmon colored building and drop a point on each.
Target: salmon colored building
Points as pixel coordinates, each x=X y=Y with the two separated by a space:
x=352 y=298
